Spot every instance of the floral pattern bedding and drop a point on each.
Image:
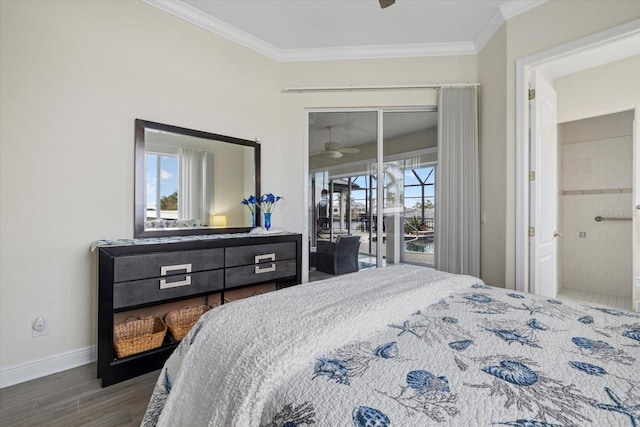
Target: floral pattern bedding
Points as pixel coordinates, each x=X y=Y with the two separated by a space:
x=472 y=355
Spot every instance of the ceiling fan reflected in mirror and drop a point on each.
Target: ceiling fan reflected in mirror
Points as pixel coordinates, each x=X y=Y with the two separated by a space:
x=386 y=3
x=333 y=149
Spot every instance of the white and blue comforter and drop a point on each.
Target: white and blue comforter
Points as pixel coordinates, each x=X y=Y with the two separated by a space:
x=403 y=346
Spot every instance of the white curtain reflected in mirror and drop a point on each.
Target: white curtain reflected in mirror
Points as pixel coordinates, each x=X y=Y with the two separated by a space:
x=195 y=201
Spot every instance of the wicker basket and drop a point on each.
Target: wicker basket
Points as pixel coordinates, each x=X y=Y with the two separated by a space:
x=182 y=320
x=138 y=334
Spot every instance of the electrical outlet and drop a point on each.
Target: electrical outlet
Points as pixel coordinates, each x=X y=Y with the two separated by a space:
x=40 y=327
x=582 y=234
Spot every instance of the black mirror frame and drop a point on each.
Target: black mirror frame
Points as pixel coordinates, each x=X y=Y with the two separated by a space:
x=140 y=180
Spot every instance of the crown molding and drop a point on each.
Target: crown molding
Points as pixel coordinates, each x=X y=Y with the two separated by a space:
x=503 y=14
x=515 y=8
x=190 y=14
x=489 y=30
x=210 y=23
x=378 y=52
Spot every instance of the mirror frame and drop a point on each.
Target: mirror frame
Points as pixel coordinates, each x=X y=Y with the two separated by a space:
x=140 y=179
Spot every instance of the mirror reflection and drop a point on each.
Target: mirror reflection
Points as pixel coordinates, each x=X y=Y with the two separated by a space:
x=192 y=182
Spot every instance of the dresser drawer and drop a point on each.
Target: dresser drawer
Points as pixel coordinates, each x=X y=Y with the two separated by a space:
x=245 y=255
x=245 y=275
x=135 y=267
x=127 y=294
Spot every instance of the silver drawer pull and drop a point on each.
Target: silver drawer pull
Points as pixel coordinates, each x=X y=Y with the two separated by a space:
x=265 y=257
x=265 y=269
x=169 y=268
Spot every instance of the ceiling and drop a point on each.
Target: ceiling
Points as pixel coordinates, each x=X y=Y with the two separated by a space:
x=303 y=30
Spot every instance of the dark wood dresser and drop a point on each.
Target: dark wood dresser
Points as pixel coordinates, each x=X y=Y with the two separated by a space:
x=154 y=278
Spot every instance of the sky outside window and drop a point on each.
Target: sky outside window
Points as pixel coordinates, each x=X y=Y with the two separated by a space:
x=168 y=177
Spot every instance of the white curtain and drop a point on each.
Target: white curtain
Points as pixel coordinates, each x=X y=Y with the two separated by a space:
x=195 y=196
x=457 y=186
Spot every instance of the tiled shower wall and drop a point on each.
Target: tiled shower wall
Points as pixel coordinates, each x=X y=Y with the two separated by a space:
x=596 y=172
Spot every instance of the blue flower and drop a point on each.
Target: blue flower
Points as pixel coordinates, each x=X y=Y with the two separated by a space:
x=250 y=202
x=268 y=202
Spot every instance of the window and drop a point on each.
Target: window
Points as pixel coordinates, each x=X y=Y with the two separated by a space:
x=162 y=186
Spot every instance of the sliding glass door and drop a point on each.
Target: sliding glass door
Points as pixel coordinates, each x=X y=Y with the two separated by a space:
x=392 y=211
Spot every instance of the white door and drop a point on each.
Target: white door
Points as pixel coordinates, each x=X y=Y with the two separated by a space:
x=543 y=191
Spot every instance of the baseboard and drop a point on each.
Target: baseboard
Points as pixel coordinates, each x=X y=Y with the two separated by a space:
x=49 y=365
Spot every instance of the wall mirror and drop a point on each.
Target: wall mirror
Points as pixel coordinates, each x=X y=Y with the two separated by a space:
x=192 y=182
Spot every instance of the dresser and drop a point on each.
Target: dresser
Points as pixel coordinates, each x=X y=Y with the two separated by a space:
x=144 y=279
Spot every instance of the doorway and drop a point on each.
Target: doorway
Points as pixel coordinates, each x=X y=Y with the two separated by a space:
x=347 y=149
x=578 y=57
x=595 y=199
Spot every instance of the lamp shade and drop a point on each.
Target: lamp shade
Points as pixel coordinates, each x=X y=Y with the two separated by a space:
x=218 y=220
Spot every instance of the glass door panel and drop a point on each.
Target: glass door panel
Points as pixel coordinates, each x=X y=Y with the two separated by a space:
x=409 y=164
x=344 y=183
x=342 y=155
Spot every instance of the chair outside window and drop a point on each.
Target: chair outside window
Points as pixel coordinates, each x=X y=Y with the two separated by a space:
x=340 y=257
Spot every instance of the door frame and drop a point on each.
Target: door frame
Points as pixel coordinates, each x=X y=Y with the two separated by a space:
x=524 y=66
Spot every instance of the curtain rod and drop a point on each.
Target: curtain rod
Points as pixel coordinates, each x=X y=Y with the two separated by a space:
x=376 y=87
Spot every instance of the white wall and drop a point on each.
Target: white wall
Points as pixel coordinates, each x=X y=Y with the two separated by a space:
x=73 y=77
x=601 y=90
x=492 y=72
x=597 y=180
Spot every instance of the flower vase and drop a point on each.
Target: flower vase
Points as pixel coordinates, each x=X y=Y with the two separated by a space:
x=253 y=220
x=267 y=220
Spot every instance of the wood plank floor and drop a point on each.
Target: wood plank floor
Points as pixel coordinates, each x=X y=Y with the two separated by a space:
x=75 y=398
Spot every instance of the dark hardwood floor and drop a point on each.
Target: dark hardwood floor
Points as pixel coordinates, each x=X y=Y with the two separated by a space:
x=75 y=398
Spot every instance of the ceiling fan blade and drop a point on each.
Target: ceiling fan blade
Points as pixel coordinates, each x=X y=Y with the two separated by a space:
x=349 y=150
x=386 y=3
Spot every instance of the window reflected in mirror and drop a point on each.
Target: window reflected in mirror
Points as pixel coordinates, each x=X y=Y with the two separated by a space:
x=192 y=182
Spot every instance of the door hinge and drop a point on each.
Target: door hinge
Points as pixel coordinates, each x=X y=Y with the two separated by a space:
x=532 y=94
x=532 y=175
x=532 y=231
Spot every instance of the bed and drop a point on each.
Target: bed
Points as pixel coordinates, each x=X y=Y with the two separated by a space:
x=403 y=346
